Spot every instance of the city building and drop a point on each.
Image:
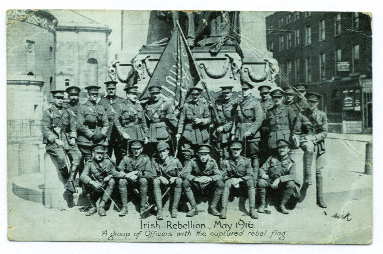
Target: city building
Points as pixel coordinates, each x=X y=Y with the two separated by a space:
x=332 y=53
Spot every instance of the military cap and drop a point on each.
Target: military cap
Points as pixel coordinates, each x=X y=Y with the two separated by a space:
x=136 y=143
x=283 y=143
x=73 y=90
x=277 y=92
x=196 y=89
x=130 y=89
x=204 y=148
x=236 y=144
x=100 y=147
x=226 y=89
x=311 y=96
x=186 y=150
x=289 y=90
x=58 y=93
x=301 y=86
x=264 y=89
x=92 y=88
x=110 y=83
x=155 y=89
x=162 y=145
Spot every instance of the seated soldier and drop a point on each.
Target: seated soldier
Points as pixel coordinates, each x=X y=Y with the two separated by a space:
x=98 y=179
x=237 y=172
x=202 y=174
x=279 y=173
x=168 y=170
x=134 y=170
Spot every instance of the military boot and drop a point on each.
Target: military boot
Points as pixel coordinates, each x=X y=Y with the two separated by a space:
x=158 y=198
x=287 y=193
x=176 y=200
x=262 y=196
x=101 y=209
x=143 y=196
x=92 y=210
x=319 y=187
x=222 y=214
x=64 y=172
x=193 y=211
x=253 y=213
x=124 y=198
x=225 y=201
x=307 y=164
x=214 y=202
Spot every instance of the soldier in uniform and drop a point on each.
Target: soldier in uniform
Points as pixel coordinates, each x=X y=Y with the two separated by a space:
x=111 y=102
x=59 y=132
x=266 y=104
x=202 y=175
x=289 y=96
x=134 y=171
x=161 y=119
x=266 y=100
x=98 y=179
x=194 y=121
x=310 y=131
x=74 y=100
x=168 y=170
x=300 y=99
x=249 y=118
x=237 y=172
x=225 y=106
x=130 y=121
x=278 y=173
x=279 y=120
x=92 y=123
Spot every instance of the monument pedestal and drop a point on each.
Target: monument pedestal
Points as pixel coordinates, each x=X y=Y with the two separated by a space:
x=54 y=191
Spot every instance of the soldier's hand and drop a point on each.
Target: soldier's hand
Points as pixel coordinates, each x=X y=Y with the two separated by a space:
x=72 y=141
x=59 y=142
x=125 y=135
x=197 y=179
x=310 y=137
x=275 y=183
x=220 y=129
x=247 y=134
x=133 y=177
x=197 y=120
x=264 y=176
x=173 y=179
x=164 y=180
x=178 y=136
x=96 y=185
x=106 y=179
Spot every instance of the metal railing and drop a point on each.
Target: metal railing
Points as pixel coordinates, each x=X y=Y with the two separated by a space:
x=24 y=129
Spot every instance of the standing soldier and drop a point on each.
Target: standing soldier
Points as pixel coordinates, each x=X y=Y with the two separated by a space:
x=301 y=102
x=279 y=120
x=92 y=123
x=266 y=104
x=111 y=102
x=194 y=121
x=237 y=172
x=266 y=100
x=310 y=131
x=59 y=132
x=168 y=170
x=134 y=171
x=278 y=172
x=249 y=118
x=225 y=106
x=161 y=119
x=290 y=99
x=202 y=175
x=98 y=177
x=130 y=122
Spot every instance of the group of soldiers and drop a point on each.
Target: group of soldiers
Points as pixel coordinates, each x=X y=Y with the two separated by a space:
x=232 y=143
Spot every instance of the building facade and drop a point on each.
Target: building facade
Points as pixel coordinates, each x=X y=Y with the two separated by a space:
x=332 y=53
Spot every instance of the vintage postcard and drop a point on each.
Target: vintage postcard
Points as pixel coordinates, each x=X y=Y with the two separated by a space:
x=189 y=126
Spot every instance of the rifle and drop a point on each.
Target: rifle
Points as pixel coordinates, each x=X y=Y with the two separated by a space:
x=234 y=126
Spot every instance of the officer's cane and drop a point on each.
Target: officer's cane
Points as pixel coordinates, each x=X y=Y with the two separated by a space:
x=106 y=193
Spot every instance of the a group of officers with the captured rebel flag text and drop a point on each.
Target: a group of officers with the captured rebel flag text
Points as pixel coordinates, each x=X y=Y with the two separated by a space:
x=149 y=149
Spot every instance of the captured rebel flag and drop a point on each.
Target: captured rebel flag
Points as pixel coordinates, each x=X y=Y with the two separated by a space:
x=175 y=71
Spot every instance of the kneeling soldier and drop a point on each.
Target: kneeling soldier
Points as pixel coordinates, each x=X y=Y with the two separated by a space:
x=237 y=171
x=168 y=171
x=202 y=174
x=133 y=170
x=97 y=176
x=278 y=172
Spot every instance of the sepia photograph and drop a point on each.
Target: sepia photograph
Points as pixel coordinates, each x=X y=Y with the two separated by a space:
x=208 y=126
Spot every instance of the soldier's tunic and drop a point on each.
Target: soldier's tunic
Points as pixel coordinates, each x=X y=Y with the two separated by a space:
x=294 y=106
x=194 y=134
x=225 y=112
x=110 y=105
x=91 y=120
x=264 y=131
x=240 y=168
x=266 y=105
x=60 y=124
x=129 y=119
x=279 y=120
x=300 y=105
x=169 y=168
x=94 y=171
x=249 y=118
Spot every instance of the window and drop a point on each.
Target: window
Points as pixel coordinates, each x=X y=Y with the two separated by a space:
x=355 y=21
x=322 y=66
x=308 y=69
x=288 y=19
x=308 y=35
x=66 y=82
x=289 y=40
x=297 y=38
x=355 y=58
x=297 y=69
x=270 y=29
x=322 y=30
x=271 y=46
x=338 y=58
x=281 y=22
x=297 y=16
x=281 y=43
x=92 y=71
x=289 y=70
x=338 y=24
x=307 y=14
